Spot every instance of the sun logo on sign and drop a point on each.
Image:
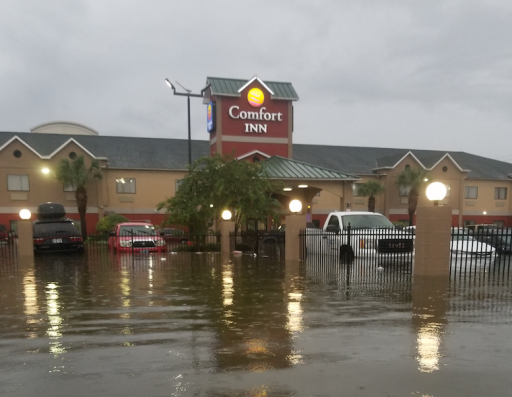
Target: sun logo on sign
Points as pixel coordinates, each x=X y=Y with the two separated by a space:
x=255 y=97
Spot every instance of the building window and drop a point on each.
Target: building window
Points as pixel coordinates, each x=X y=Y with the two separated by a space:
x=355 y=189
x=471 y=192
x=16 y=154
x=18 y=182
x=72 y=155
x=500 y=193
x=69 y=188
x=178 y=183
x=125 y=185
x=404 y=191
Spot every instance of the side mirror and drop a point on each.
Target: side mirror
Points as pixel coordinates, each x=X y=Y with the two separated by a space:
x=112 y=234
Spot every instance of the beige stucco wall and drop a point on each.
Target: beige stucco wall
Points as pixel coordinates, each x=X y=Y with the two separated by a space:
x=152 y=187
x=42 y=187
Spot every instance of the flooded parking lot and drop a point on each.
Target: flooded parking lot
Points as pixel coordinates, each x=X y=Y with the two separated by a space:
x=212 y=325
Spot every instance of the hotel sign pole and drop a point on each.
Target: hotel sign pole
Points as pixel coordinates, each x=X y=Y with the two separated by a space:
x=188 y=94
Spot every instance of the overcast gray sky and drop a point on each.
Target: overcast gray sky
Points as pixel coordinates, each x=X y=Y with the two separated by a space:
x=405 y=74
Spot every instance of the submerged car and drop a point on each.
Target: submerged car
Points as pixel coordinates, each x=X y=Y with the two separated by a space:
x=172 y=235
x=136 y=237
x=57 y=235
x=466 y=245
x=502 y=242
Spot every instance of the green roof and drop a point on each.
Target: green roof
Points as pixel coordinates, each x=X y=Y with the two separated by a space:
x=282 y=168
x=230 y=87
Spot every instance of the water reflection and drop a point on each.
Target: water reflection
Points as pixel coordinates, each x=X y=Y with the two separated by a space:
x=209 y=325
x=53 y=306
x=430 y=304
x=30 y=303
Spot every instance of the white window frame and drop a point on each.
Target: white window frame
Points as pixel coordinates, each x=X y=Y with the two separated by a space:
x=468 y=192
x=69 y=188
x=126 y=186
x=18 y=183
x=355 y=189
x=498 y=193
x=404 y=191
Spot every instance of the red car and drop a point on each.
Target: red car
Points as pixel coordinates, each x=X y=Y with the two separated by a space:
x=136 y=237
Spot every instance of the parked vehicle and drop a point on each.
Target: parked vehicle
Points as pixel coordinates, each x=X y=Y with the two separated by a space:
x=4 y=235
x=172 y=235
x=136 y=237
x=410 y=229
x=50 y=211
x=499 y=240
x=369 y=234
x=56 y=235
x=483 y=228
x=467 y=245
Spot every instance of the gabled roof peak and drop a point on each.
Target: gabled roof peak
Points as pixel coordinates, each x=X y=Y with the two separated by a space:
x=221 y=86
x=255 y=78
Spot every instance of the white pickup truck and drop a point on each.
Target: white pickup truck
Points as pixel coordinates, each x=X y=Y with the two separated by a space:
x=359 y=234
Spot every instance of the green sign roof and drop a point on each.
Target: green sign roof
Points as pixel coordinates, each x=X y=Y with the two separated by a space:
x=231 y=87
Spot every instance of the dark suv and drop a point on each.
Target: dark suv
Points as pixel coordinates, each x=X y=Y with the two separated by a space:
x=57 y=235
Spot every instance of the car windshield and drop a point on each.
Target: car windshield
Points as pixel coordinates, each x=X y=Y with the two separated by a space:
x=137 y=230
x=369 y=221
x=55 y=228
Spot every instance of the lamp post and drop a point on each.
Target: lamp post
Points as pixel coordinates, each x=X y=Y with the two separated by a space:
x=188 y=94
x=25 y=235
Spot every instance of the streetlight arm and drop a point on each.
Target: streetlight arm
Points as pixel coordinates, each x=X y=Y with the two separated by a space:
x=168 y=82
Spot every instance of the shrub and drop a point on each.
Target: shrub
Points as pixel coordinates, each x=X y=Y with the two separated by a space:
x=107 y=223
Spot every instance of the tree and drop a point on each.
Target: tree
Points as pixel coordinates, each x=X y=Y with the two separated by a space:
x=412 y=180
x=217 y=183
x=75 y=173
x=370 y=189
x=107 y=223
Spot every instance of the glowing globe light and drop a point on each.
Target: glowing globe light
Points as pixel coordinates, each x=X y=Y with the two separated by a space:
x=25 y=214
x=436 y=191
x=226 y=215
x=295 y=206
x=255 y=97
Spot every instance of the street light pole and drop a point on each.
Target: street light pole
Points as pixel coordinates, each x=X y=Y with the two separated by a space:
x=188 y=94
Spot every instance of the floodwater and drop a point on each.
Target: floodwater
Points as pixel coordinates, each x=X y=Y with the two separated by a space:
x=211 y=325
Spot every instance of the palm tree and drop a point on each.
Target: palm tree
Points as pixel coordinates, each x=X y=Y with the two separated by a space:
x=75 y=173
x=412 y=180
x=370 y=189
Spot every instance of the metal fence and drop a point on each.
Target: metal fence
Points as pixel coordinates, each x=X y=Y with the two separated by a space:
x=260 y=243
x=480 y=254
x=374 y=247
x=472 y=254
